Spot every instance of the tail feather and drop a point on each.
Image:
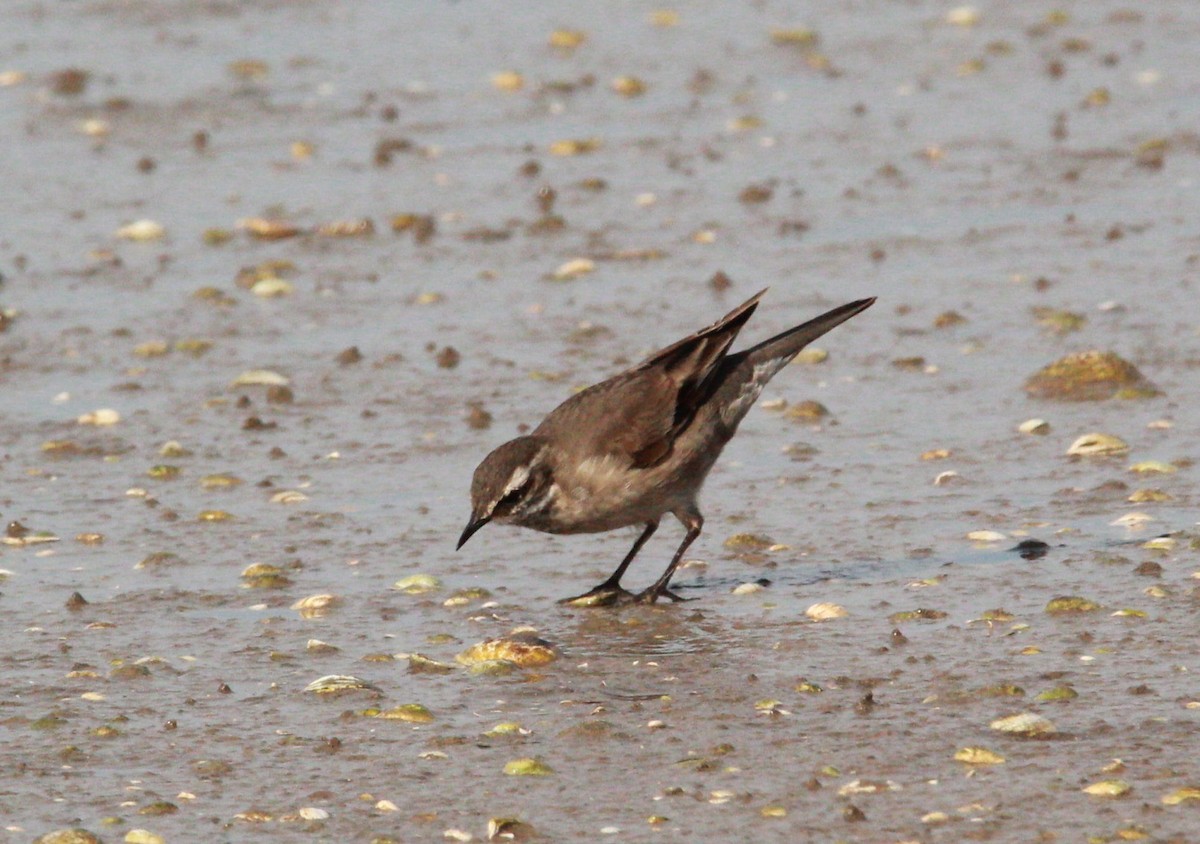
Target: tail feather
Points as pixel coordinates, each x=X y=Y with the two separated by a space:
x=785 y=346
x=747 y=372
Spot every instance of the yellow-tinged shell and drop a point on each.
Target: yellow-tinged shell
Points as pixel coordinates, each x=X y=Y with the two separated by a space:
x=418 y=664
x=523 y=648
x=747 y=542
x=1153 y=467
x=807 y=409
x=143 y=836
x=270 y=288
x=963 y=16
x=1034 y=426
x=417 y=584
x=261 y=378
x=1070 y=604
x=527 y=767
x=575 y=146
x=103 y=417
x=986 y=536
x=800 y=36
x=462 y=597
x=507 y=728
x=219 y=481
x=1181 y=795
x=1059 y=321
x=920 y=614
x=826 y=611
x=567 y=39
x=978 y=756
x=163 y=472
x=323 y=601
x=508 y=80
x=142 y=230
x=1096 y=444
x=254 y=816
x=598 y=599
x=288 y=496
x=214 y=516
x=1063 y=692
x=172 y=448
x=629 y=86
x=1142 y=496
x=1108 y=788
x=151 y=349
x=1026 y=724
x=1133 y=519
x=335 y=683
x=412 y=712
x=265 y=229
x=68 y=836
x=1089 y=376
x=260 y=570
x=574 y=268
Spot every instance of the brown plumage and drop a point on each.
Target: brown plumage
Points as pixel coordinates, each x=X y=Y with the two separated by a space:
x=639 y=445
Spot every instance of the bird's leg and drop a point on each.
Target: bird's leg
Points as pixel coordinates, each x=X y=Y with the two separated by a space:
x=610 y=591
x=694 y=523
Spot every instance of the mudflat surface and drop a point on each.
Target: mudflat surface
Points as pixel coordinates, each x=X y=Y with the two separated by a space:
x=988 y=162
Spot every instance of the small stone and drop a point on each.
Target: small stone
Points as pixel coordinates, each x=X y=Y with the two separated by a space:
x=349 y=356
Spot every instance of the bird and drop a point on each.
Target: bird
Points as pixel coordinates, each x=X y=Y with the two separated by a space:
x=630 y=449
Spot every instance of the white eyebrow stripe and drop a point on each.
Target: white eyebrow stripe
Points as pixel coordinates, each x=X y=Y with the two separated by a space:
x=519 y=476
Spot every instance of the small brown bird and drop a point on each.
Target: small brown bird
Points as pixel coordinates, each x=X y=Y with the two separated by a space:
x=633 y=448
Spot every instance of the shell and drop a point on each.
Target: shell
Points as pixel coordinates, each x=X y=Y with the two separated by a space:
x=335 y=683
x=527 y=767
x=1097 y=443
x=142 y=231
x=1108 y=788
x=261 y=377
x=1026 y=724
x=1089 y=376
x=1070 y=604
x=523 y=648
x=1034 y=426
x=978 y=756
x=102 y=417
x=417 y=584
x=826 y=611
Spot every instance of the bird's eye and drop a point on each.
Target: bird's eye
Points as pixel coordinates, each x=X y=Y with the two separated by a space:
x=511 y=498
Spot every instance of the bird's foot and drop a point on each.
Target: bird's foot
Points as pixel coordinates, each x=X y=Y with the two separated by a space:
x=651 y=595
x=604 y=595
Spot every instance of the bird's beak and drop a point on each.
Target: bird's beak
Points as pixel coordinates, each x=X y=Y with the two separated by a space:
x=475 y=524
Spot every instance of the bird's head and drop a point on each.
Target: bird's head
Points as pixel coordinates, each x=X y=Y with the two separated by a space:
x=512 y=483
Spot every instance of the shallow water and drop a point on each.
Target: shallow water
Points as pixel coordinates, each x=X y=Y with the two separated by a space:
x=901 y=170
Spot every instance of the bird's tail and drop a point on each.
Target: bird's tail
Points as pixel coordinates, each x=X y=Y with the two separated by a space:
x=778 y=352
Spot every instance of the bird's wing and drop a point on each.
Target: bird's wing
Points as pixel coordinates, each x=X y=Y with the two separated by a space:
x=638 y=414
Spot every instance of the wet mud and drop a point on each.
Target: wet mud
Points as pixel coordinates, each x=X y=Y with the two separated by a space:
x=277 y=276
